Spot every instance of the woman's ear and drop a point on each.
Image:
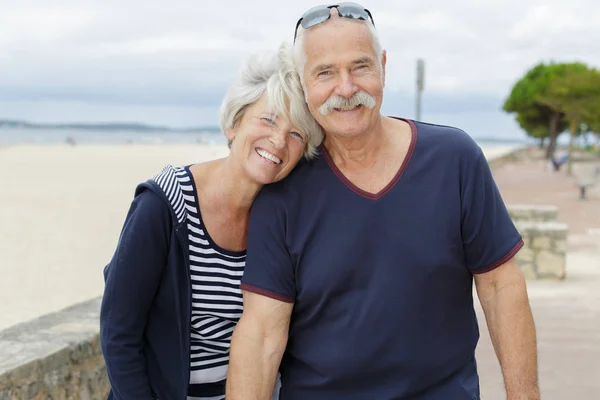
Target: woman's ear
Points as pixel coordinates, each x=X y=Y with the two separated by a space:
x=230 y=134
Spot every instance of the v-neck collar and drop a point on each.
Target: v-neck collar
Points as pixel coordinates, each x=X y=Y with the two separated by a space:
x=395 y=179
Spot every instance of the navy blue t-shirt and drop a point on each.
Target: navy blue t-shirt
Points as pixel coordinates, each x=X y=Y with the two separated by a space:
x=382 y=284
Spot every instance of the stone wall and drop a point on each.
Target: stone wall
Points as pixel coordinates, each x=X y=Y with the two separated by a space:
x=532 y=213
x=55 y=357
x=544 y=254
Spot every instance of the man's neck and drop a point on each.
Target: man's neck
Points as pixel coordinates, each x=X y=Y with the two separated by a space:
x=372 y=161
x=360 y=150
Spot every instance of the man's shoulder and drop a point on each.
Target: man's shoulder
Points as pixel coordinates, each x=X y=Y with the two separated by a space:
x=436 y=141
x=449 y=137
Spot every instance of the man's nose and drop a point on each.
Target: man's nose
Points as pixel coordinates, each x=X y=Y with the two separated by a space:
x=346 y=87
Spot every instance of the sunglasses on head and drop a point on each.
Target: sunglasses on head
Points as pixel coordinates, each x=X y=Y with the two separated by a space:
x=319 y=14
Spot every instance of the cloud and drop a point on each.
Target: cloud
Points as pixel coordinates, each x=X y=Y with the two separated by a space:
x=114 y=56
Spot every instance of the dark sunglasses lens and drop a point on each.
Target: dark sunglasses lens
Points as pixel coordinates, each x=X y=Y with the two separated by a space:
x=353 y=10
x=315 y=16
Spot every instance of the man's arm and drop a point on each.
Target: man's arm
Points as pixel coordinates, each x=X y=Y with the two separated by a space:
x=257 y=345
x=503 y=296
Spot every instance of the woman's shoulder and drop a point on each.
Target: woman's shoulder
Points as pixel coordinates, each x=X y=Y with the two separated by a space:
x=169 y=175
x=164 y=190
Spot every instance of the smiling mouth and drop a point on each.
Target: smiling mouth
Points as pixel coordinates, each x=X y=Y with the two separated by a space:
x=268 y=156
x=348 y=109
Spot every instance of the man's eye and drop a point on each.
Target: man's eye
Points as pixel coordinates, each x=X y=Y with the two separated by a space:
x=323 y=73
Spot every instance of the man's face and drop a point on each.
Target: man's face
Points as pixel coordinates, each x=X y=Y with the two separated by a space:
x=340 y=61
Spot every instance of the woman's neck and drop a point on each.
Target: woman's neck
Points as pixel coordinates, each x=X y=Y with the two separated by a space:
x=222 y=184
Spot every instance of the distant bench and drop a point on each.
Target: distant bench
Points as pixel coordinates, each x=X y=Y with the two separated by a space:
x=585 y=175
x=545 y=251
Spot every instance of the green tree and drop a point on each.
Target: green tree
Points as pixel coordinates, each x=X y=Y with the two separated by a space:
x=594 y=124
x=535 y=124
x=536 y=118
x=576 y=95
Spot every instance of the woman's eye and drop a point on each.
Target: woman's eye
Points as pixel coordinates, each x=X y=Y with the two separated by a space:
x=268 y=121
x=297 y=135
x=323 y=73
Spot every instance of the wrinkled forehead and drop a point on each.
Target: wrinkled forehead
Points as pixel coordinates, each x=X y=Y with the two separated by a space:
x=338 y=37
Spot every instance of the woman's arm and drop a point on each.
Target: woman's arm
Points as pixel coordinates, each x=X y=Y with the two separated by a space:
x=132 y=279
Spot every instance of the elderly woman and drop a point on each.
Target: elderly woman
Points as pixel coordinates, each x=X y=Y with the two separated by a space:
x=172 y=295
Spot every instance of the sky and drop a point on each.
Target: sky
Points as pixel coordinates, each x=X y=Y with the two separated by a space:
x=170 y=63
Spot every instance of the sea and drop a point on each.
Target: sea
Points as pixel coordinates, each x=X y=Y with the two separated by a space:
x=10 y=136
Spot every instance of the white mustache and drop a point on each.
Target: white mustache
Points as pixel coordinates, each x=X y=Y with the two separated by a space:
x=342 y=103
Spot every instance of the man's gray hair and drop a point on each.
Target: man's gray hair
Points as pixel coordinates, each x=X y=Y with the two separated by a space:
x=299 y=52
x=273 y=74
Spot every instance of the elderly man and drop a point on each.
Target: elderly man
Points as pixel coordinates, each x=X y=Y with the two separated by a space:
x=360 y=264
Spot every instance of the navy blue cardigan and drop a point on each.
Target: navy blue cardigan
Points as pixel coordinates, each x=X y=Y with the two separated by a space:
x=145 y=314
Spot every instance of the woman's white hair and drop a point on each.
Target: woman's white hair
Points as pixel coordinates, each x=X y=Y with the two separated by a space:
x=273 y=74
x=299 y=52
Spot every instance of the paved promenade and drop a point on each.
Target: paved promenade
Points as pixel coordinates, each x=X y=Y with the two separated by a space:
x=528 y=182
x=567 y=317
x=567 y=314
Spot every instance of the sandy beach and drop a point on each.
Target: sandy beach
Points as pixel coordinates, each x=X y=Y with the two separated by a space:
x=61 y=211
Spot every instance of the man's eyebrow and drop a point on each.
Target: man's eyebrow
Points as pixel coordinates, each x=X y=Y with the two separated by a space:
x=363 y=60
x=323 y=67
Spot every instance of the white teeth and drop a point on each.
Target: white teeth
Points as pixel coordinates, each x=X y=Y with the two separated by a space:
x=268 y=156
x=346 y=108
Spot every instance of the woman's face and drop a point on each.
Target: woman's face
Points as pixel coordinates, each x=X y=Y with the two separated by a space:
x=266 y=145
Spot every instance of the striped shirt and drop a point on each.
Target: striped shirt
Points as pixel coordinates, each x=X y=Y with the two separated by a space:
x=216 y=299
x=216 y=295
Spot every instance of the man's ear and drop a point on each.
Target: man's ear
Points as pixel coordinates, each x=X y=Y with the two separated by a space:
x=383 y=61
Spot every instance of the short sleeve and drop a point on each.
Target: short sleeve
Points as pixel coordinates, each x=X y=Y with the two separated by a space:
x=489 y=235
x=269 y=268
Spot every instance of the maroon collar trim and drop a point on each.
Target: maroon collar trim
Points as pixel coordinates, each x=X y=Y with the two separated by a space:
x=395 y=179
